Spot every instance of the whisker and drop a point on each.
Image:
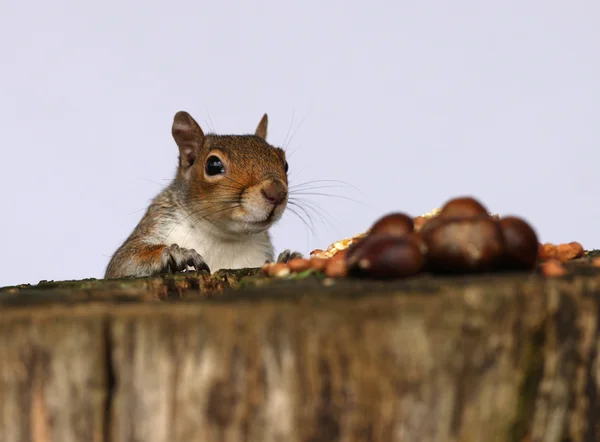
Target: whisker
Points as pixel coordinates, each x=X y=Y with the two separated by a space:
x=241 y=186
x=316 y=208
x=137 y=211
x=153 y=182
x=335 y=196
x=329 y=181
x=324 y=217
x=331 y=186
x=299 y=172
x=289 y=128
x=212 y=126
x=218 y=204
x=235 y=187
x=302 y=219
x=198 y=214
x=295 y=130
x=291 y=154
x=312 y=223
x=307 y=215
x=193 y=226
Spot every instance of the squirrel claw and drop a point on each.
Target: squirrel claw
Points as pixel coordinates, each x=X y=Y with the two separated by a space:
x=177 y=259
x=287 y=255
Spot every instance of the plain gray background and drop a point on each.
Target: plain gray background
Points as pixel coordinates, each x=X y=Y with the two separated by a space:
x=411 y=102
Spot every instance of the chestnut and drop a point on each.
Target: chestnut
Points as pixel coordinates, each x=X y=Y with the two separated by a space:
x=464 y=244
x=464 y=206
x=432 y=223
x=520 y=244
x=385 y=256
x=354 y=246
x=397 y=224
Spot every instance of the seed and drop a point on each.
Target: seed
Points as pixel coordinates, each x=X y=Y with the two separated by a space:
x=265 y=268
x=553 y=268
x=547 y=251
x=279 y=270
x=318 y=263
x=336 y=268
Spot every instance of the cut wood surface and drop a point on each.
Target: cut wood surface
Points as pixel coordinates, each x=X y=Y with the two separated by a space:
x=239 y=357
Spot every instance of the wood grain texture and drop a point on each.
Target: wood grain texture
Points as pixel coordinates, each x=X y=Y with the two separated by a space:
x=52 y=378
x=491 y=358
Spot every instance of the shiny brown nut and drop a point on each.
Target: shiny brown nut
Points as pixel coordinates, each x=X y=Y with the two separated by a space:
x=318 y=263
x=520 y=244
x=547 y=251
x=553 y=268
x=464 y=245
x=464 y=206
x=385 y=256
x=354 y=247
x=336 y=268
x=397 y=224
x=596 y=261
x=298 y=265
x=434 y=222
x=417 y=238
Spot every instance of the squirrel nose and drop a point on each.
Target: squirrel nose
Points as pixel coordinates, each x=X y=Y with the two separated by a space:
x=274 y=192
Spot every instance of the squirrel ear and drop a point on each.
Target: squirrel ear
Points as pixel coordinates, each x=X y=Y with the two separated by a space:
x=261 y=130
x=188 y=136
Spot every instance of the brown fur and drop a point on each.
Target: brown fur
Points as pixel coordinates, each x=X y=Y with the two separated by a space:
x=150 y=254
x=254 y=171
x=237 y=151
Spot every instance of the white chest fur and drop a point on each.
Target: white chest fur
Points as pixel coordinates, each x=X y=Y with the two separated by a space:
x=219 y=253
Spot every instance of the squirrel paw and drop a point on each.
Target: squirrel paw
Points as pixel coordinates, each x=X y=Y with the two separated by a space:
x=177 y=259
x=287 y=255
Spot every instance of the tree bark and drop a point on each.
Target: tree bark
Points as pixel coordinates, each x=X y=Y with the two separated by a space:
x=237 y=357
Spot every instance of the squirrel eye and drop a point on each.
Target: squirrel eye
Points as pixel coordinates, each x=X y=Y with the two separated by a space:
x=214 y=166
x=286 y=167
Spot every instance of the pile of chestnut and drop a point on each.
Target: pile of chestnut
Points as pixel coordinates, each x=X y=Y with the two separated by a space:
x=462 y=238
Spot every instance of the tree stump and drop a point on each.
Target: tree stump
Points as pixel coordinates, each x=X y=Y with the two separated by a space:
x=239 y=357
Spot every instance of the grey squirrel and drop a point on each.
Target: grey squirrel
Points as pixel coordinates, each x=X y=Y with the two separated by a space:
x=216 y=213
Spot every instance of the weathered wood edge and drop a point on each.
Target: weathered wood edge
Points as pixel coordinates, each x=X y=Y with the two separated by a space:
x=226 y=285
x=546 y=330
x=549 y=336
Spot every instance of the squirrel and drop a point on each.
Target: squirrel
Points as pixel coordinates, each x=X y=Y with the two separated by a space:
x=216 y=213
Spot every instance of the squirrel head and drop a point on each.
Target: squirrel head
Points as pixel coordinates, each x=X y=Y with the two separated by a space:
x=238 y=183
